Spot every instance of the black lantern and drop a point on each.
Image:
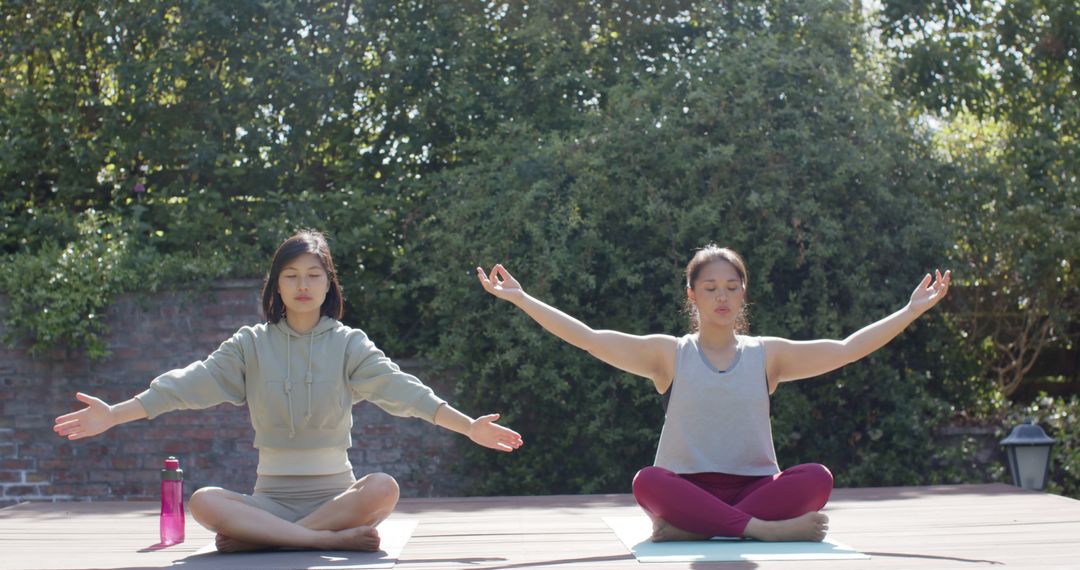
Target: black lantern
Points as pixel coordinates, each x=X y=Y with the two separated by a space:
x=1028 y=450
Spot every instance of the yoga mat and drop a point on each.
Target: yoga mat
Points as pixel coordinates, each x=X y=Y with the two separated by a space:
x=634 y=532
x=394 y=534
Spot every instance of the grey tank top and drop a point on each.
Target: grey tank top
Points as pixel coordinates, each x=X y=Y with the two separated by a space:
x=717 y=421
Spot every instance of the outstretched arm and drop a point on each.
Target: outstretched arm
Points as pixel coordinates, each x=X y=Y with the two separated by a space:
x=97 y=417
x=788 y=360
x=651 y=356
x=483 y=430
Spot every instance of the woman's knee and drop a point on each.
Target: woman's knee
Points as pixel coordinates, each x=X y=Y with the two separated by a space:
x=820 y=480
x=205 y=502
x=204 y=497
x=647 y=479
x=821 y=475
x=380 y=485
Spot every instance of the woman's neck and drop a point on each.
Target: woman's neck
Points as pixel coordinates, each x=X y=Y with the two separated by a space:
x=716 y=337
x=303 y=322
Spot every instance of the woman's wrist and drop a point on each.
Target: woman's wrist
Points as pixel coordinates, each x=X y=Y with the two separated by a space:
x=126 y=411
x=521 y=300
x=450 y=418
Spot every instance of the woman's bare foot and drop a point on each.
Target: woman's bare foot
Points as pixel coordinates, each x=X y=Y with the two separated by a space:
x=364 y=538
x=809 y=527
x=229 y=544
x=662 y=531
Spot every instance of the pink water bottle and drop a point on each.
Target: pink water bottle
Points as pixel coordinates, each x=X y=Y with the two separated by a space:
x=172 y=503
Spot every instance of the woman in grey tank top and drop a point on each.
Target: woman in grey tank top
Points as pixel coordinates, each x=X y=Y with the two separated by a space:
x=715 y=472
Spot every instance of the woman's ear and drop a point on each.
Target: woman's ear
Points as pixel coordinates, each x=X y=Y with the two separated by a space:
x=690 y=295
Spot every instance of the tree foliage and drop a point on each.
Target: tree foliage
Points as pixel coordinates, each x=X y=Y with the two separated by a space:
x=999 y=79
x=755 y=127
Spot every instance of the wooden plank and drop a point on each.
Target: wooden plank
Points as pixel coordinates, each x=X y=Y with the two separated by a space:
x=901 y=527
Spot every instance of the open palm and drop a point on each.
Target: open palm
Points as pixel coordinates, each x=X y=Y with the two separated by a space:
x=484 y=431
x=89 y=421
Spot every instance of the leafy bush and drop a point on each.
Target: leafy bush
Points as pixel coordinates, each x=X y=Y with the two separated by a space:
x=59 y=291
x=758 y=132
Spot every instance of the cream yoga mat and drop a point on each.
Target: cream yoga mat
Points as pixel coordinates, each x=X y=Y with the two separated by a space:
x=634 y=533
x=394 y=534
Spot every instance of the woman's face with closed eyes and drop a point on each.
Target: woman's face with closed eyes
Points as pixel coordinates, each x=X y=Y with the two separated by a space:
x=718 y=293
x=303 y=284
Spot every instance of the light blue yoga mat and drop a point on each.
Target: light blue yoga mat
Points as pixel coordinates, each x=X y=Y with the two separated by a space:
x=634 y=532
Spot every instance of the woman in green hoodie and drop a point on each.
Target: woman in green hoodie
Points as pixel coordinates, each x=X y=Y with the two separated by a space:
x=299 y=373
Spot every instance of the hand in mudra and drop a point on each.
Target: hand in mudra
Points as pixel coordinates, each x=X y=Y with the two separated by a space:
x=500 y=283
x=928 y=293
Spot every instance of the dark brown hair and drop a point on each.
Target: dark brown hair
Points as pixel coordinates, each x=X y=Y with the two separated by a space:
x=703 y=257
x=304 y=241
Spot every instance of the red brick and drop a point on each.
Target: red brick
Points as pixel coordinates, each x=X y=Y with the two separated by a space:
x=54 y=464
x=136 y=491
x=140 y=447
x=106 y=476
x=124 y=462
x=21 y=464
x=68 y=490
x=144 y=476
x=93 y=490
x=22 y=490
x=69 y=476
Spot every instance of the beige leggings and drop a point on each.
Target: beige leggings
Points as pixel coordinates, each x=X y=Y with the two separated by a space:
x=293 y=497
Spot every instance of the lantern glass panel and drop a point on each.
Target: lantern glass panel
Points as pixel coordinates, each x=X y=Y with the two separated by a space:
x=1031 y=462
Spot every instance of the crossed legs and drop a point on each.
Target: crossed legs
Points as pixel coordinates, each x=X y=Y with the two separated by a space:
x=702 y=505
x=345 y=522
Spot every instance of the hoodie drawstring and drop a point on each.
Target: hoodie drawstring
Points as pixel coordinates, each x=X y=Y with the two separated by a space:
x=288 y=380
x=307 y=377
x=288 y=383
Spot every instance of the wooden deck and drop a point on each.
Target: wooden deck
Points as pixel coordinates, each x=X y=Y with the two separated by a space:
x=976 y=526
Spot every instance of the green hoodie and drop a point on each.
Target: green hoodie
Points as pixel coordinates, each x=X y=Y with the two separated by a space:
x=299 y=389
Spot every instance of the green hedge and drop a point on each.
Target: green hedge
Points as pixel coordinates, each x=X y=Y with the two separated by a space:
x=771 y=140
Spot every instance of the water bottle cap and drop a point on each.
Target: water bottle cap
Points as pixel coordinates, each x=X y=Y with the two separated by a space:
x=172 y=463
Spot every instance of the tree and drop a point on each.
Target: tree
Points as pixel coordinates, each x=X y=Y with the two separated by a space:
x=1000 y=78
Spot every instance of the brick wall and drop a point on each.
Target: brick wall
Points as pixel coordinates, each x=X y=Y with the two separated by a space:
x=149 y=335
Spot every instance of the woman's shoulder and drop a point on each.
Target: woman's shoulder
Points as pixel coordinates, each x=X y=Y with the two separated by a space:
x=254 y=331
x=688 y=338
x=337 y=327
x=754 y=343
x=354 y=337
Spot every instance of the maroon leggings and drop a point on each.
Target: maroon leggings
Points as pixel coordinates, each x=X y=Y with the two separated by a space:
x=718 y=504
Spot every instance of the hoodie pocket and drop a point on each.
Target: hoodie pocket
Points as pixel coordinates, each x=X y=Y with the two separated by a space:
x=330 y=403
x=270 y=405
